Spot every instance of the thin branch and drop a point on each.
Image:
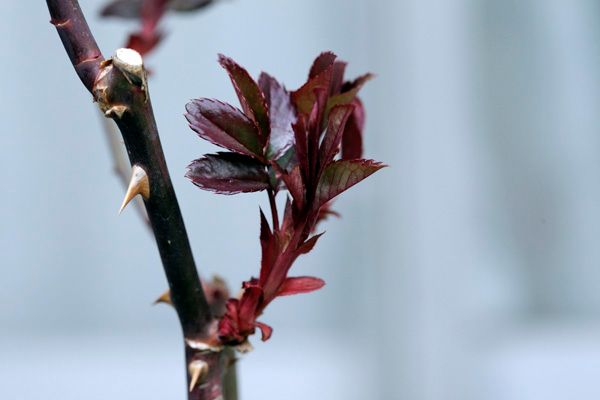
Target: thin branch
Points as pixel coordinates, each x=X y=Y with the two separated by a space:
x=120 y=88
x=77 y=39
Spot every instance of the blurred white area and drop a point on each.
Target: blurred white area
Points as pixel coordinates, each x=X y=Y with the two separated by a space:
x=467 y=270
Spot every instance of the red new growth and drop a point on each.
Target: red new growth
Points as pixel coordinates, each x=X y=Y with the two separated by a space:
x=278 y=141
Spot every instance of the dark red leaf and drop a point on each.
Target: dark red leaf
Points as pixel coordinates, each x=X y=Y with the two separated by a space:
x=301 y=284
x=315 y=130
x=305 y=97
x=341 y=175
x=265 y=330
x=224 y=125
x=268 y=249
x=336 y=124
x=152 y=12
x=229 y=330
x=228 y=173
x=251 y=98
x=321 y=63
x=247 y=309
x=352 y=141
x=294 y=183
x=308 y=245
x=301 y=145
x=281 y=113
x=337 y=78
x=144 y=44
x=287 y=224
x=325 y=212
x=349 y=91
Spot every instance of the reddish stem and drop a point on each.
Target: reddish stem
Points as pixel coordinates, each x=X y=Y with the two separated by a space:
x=77 y=39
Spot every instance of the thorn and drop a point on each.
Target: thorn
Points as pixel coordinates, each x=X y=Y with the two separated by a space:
x=115 y=111
x=139 y=184
x=164 y=298
x=198 y=370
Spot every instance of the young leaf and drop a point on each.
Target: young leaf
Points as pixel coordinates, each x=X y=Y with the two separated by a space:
x=144 y=43
x=228 y=173
x=337 y=78
x=268 y=248
x=349 y=91
x=247 y=309
x=265 y=331
x=300 y=138
x=293 y=182
x=321 y=63
x=307 y=246
x=341 y=175
x=305 y=97
x=224 y=125
x=281 y=113
x=251 y=98
x=352 y=142
x=336 y=124
x=301 y=284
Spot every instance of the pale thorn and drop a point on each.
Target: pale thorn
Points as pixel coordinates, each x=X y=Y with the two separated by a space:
x=115 y=111
x=198 y=370
x=164 y=298
x=139 y=184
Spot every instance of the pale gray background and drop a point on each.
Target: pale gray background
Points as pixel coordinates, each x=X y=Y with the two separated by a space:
x=469 y=270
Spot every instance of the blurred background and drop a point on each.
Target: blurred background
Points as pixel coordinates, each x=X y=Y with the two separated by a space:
x=467 y=270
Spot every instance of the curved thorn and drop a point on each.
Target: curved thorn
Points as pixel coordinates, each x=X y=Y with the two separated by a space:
x=197 y=369
x=139 y=184
x=164 y=298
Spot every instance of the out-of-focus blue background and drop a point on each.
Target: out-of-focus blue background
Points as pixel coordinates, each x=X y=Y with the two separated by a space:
x=468 y=270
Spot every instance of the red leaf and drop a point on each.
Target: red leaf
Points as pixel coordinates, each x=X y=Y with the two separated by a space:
x=352 y=142
x=300 y=136
x=251 y=98
x=321 y=63
x=314 y=131
x=282 y=116
x=265 y=330
x=337 y=79
x=305 y=97
x=308 y=245
x=287 y=224
x=301 y=284
x=349 y=91
x=325 y=212
x=144 y=44
x=336 y=124
x=247 y=309
x=152 y=12
x=228 y=173
x=293 y=182
x=224 y=125
x=268 y=249
x=341 y=175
